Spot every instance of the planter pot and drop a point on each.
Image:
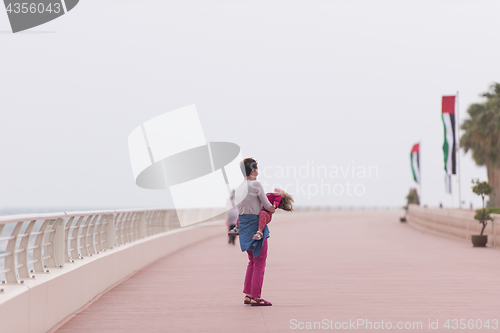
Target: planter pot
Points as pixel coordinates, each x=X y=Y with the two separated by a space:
x=479 y=241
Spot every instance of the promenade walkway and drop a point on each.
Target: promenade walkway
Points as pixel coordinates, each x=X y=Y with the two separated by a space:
x=340 y=266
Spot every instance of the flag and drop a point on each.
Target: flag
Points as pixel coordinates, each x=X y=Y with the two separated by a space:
x=449 y=145
x=415 y=162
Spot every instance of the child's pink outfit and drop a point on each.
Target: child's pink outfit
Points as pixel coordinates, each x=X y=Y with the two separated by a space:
x=265 y=216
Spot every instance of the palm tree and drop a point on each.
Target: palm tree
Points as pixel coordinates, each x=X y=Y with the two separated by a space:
x=482 y=137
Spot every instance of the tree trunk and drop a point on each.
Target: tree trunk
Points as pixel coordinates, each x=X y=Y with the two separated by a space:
x=494 y=180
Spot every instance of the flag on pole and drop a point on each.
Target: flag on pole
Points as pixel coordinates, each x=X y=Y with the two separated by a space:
x=449 y=145
x=415 y=162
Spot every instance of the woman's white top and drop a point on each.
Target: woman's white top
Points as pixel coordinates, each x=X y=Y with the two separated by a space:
x=251 y=197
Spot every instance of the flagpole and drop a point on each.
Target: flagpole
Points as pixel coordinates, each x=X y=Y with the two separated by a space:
x=458 y=155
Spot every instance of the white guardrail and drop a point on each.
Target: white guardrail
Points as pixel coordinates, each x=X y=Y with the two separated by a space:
x=33 y=243
x=44 y=256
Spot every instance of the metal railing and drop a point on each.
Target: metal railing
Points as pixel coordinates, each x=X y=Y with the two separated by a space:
x=30 y=244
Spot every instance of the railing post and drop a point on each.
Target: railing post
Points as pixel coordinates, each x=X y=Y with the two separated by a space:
x=59 y=240
x=10 y=260
x=50 y=250
x=22 y=258
x=110 y=232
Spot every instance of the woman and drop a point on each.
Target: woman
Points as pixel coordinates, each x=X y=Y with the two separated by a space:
x=251 y=197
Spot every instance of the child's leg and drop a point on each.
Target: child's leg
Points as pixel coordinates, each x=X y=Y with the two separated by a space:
x=264 y=218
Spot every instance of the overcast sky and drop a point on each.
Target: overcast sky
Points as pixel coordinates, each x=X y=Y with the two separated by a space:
x=339 y=84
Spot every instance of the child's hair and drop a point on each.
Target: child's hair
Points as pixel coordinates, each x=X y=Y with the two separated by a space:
x=286 y=202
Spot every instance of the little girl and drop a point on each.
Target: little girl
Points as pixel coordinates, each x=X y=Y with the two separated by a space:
x=279 y=199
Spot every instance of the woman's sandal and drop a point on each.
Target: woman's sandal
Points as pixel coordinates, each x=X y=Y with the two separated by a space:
x=247 y=299
x=258 y=235
x=260 y=302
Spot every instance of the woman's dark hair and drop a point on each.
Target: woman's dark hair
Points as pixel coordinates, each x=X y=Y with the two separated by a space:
x=247 y=165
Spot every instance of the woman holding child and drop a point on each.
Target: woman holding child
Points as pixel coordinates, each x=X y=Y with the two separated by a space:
x=255 y=211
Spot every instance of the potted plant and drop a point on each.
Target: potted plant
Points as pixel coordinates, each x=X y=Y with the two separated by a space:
x=482 y=189
x=411 y=198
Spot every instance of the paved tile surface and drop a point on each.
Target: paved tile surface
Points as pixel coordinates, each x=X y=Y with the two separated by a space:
x=326 y=268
